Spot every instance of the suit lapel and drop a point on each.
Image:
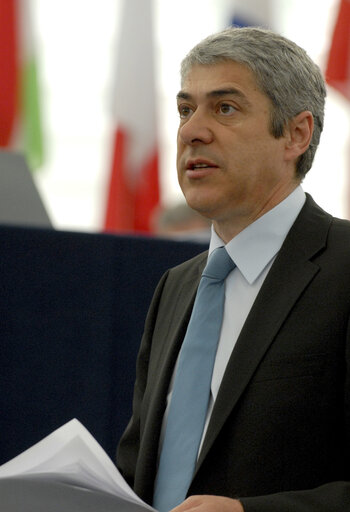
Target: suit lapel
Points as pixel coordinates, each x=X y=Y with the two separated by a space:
x=176 y=320
x=275 y=300
x=178 y=316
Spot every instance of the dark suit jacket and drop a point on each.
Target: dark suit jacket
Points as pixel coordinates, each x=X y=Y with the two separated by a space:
x=279 y=435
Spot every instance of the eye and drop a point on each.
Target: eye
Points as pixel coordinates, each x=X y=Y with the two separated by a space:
x=184 y=111
x=226 y=109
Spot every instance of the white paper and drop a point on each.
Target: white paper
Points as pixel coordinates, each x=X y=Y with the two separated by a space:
x=71 y=455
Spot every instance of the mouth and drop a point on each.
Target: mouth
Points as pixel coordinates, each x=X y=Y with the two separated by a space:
x=199 y=164
x=199 y=168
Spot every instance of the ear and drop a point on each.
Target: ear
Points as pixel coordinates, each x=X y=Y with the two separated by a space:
x=298 y=136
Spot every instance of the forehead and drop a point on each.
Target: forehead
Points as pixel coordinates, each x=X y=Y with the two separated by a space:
x=225 y=75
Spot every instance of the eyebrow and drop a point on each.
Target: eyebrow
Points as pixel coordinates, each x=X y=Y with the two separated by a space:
x=217 y=93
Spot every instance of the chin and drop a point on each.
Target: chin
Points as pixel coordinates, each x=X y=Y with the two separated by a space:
x=201 y=207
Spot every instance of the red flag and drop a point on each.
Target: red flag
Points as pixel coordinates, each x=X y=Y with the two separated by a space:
x=20 y=119
x=338 y=66
x=134 y=188
x=8 y=71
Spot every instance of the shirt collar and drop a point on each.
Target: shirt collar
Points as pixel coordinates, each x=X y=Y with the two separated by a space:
x=254 y=247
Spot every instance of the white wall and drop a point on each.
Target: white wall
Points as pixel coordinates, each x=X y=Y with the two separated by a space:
x=76 y=48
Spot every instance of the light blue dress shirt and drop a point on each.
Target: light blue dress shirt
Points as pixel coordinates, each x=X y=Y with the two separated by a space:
x=253 y=250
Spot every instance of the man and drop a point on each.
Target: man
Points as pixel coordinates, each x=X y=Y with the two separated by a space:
x=277 y=427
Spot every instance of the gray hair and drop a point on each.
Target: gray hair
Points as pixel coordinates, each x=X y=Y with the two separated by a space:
x=283 y=71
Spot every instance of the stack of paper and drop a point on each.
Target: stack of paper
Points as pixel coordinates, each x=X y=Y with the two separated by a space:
x=71 y=456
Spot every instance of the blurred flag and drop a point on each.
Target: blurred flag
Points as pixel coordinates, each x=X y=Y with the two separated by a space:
x=134 y=188
x=20 y=126
x=253 y=13
x=338 y=65
x=8 y=71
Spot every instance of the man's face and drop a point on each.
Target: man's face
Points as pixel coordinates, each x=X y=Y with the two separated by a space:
x=230 y=168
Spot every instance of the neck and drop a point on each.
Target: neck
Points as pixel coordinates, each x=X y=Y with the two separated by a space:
x=228 y=228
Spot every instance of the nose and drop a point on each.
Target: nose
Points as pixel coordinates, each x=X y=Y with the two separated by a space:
x=196 y=129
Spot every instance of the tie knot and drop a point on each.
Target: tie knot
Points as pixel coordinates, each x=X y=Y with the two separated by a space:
x=219 y=264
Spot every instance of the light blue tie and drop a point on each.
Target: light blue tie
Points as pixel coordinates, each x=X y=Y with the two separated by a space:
x=191 y=390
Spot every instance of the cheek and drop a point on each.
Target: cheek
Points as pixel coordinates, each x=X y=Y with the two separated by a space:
x=178 y=167
x=180 y=161
x=179 y=152
x=179 y=141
